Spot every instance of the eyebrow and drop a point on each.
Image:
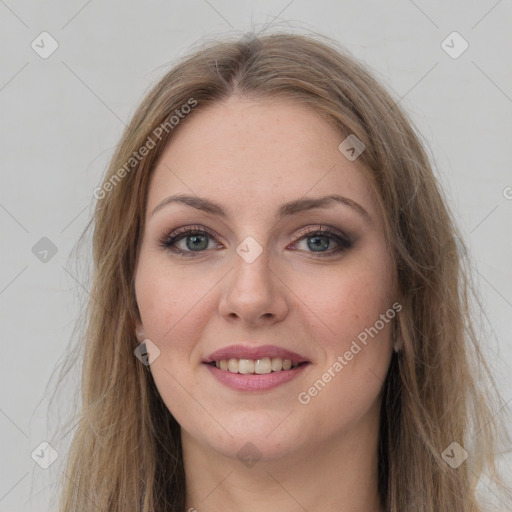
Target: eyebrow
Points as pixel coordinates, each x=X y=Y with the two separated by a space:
x=287 y=209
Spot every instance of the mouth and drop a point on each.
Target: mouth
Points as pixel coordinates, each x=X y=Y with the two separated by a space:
x=255 y=368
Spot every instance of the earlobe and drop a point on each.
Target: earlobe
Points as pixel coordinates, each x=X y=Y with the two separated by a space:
x=139 y=331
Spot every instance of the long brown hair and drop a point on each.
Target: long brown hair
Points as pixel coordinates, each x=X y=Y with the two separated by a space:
x=126 y=451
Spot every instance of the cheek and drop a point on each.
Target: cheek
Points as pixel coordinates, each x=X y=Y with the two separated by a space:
x=170 y=302
x=342 y=304
x=356 y=343
x=350 y=317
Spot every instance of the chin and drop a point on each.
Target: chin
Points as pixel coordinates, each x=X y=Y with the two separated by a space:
x=259 y=435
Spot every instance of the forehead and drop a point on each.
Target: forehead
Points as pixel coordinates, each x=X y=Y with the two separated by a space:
x=249 y=153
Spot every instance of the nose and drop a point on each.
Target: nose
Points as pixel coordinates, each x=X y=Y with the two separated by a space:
x=254 y=293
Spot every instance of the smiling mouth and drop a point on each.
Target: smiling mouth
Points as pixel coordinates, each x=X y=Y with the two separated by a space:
x=256 y=366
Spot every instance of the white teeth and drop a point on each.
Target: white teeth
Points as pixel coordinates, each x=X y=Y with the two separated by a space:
x=257 y=366
x=233 y=365
x=263 y=366
x=277 y=364
x=245 y=366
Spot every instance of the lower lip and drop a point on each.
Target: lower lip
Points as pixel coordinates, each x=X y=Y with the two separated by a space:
x=254 y=382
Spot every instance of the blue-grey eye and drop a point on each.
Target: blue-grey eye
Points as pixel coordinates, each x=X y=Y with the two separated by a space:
x=318 y=242
x=197 y=242
x=323 y=242
x=188 y=241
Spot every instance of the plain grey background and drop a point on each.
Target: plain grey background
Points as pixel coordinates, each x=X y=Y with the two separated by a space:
x=62 y=115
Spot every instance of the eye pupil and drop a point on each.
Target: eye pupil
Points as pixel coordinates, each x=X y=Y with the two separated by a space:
x=320 y=241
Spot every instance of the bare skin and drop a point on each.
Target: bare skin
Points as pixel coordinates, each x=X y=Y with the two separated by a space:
x=300 y=293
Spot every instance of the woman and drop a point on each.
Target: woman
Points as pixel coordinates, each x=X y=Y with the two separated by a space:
x=279 y=315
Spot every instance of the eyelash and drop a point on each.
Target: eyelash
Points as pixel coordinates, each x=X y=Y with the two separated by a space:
x=168 y=242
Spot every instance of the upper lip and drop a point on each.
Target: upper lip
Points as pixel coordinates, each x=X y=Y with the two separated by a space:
x=259 y=352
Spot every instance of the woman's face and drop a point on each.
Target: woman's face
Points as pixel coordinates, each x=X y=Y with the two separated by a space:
x=262 y=285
